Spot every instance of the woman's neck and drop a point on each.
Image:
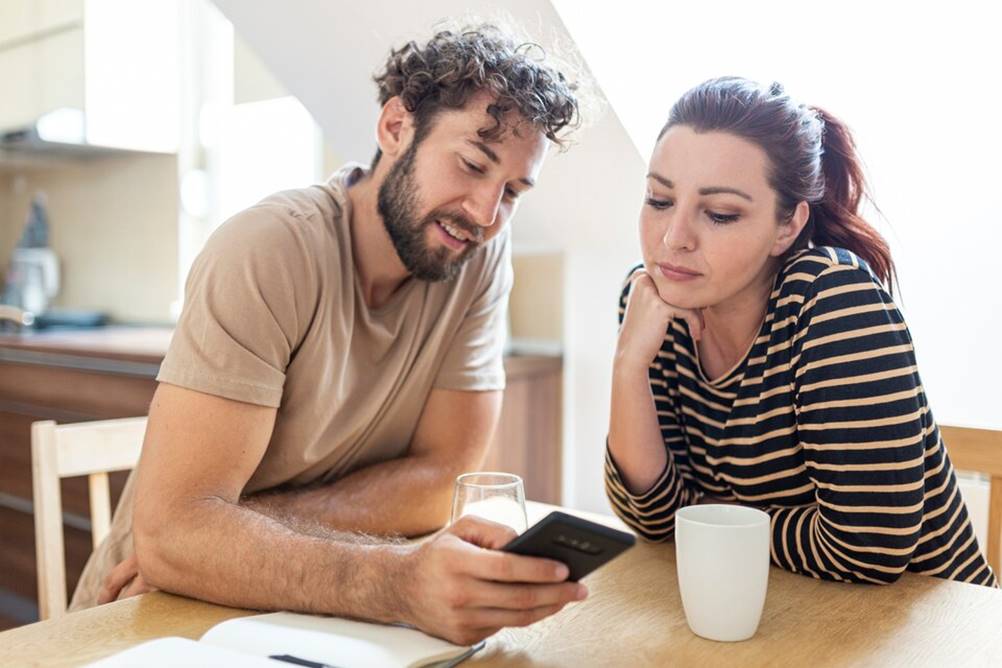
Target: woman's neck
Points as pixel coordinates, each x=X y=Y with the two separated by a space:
x=732 y=325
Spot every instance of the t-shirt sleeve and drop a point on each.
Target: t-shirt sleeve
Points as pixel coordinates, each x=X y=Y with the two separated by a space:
x=249 y=297
x=475 y=358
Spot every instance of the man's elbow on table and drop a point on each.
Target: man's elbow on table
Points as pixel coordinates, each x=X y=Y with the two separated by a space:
x=157 y=536
x=148 y=539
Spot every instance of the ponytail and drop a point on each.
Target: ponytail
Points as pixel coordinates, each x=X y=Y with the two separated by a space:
x=835 y=219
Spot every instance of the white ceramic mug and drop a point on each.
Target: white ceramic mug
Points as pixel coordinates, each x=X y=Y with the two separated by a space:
x=722 y=556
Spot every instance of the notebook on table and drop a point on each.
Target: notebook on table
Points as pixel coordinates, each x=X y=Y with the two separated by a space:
x=286 y=640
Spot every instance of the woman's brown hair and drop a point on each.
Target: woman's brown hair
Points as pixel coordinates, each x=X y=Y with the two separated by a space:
x=812 y=156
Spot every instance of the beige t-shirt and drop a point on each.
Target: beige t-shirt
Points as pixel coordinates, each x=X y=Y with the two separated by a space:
x=274 y=316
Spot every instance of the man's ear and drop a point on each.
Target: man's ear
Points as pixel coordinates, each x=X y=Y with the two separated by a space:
x=395 y=128
x=789 y=232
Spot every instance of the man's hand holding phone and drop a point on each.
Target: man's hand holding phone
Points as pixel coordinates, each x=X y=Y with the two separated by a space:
x=460 y=586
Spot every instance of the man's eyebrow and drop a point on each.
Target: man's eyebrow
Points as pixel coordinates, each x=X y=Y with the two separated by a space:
x=486 y=150
x=493 y=157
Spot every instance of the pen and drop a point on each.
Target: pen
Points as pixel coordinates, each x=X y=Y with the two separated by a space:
x=288 y=658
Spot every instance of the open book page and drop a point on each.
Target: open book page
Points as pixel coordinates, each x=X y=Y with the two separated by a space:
x=173 y=652
x=331 y=640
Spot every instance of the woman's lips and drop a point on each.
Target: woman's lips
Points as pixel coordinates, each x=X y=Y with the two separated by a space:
x=675 y=273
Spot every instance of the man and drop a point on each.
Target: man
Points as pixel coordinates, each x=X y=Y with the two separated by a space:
x=338 y=363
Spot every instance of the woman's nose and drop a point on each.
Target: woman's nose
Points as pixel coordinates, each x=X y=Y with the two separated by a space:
x=680 y=234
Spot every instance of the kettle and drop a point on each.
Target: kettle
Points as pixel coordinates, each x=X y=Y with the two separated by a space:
x=33 y=275
x=33 y=279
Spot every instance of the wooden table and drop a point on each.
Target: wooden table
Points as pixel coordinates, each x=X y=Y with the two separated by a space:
x=633 y=617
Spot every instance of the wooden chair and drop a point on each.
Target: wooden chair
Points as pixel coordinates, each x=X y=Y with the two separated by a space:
x=980 y=450
x=93 y=449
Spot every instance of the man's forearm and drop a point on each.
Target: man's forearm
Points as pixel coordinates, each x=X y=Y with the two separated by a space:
x=266 y=565
x=409 y=496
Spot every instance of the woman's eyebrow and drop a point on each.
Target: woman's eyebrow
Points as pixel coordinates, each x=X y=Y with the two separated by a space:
x=717 y=190
x=660 y=179
x=710 y=190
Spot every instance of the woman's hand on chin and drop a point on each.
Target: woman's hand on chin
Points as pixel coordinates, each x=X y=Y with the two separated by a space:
x=645 y=322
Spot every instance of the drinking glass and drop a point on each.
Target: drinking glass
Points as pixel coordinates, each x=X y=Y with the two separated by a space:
x=499 y=497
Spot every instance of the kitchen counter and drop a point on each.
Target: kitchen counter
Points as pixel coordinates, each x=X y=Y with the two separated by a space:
x=142 y=345
x=103 y=347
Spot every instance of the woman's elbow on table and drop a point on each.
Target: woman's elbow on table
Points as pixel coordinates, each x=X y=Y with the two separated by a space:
x=882 y=567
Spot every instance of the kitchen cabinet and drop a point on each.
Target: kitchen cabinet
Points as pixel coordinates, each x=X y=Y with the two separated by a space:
x=41 y=59
x=529 y=436
x=25 y=19
x=113 y=62
x=41 y=76
x=107 y=373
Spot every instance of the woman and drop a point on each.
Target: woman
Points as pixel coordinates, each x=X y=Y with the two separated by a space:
x=783 y=375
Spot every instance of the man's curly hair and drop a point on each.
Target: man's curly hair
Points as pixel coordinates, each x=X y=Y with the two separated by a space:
x=454 y=65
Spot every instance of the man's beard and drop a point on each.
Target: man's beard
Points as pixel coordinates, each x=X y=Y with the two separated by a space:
x=397 y=203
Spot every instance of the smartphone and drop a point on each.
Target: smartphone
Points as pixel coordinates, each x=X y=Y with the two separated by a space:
x=580 y=544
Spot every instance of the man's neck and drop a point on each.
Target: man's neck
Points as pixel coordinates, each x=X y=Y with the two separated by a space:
x=379 y=269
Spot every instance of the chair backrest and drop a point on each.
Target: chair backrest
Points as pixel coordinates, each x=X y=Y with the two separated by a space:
x=93 y=449
x=980 y=450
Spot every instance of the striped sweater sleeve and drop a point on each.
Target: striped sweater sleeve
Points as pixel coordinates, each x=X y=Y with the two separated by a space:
x=862 y=423
x=652 y=513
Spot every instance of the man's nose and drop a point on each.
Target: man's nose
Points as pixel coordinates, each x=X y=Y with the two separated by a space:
x=482 y=206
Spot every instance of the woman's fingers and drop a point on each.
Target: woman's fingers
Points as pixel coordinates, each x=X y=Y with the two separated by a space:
x=643 y=282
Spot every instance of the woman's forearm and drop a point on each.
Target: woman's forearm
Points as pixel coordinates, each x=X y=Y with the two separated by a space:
x=635 y=440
